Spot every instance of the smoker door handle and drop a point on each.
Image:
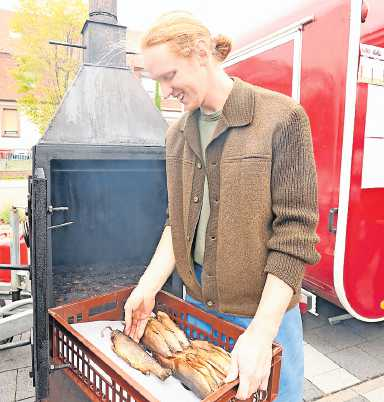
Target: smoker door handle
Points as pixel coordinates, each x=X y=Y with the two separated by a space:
x=52 y=209
x=331 y=220
x=61 y=225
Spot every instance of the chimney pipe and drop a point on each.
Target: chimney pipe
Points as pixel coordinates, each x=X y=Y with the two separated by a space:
x=103 y=11
x=103 y=38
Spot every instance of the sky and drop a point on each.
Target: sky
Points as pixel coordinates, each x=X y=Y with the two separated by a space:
x=220 y=16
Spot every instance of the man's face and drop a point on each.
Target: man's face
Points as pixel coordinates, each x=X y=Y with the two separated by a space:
x=182 y=77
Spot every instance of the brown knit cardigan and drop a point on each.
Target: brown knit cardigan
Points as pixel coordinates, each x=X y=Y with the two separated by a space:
x=263 y=198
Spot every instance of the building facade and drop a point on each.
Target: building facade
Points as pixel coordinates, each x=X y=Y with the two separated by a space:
x=17 y=133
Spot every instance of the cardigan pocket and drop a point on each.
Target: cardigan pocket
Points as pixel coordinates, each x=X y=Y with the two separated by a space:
x=255 y=196
x=248 y=156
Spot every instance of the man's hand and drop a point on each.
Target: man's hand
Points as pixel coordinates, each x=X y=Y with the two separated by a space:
x=138 y=309
x=251 y=361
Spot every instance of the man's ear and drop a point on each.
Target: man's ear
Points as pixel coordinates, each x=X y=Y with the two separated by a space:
x=201 y=49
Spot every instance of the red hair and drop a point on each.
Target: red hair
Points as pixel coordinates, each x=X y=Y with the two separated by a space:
x=181 y=31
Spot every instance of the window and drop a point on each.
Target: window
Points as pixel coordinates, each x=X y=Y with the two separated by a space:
x=10 y=123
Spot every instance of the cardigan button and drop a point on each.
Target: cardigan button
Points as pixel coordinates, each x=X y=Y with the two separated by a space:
x=188 y=237
x=198 y=164
x=195 y=198
x=209 y=303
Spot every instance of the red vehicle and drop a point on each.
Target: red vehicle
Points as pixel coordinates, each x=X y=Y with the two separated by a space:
x=329 y=56
x=5 y=255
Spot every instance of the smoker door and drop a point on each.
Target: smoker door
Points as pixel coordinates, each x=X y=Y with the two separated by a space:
x=97 y=189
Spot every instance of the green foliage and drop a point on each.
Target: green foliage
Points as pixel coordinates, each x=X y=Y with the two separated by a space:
x=45 y=71
x=157 y=96
x=5 y=214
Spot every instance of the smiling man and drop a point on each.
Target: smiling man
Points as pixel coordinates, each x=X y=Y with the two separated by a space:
x=242 y=204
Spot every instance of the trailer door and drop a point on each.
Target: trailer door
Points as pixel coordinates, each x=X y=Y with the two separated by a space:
x=273 y=63
x=360 y=280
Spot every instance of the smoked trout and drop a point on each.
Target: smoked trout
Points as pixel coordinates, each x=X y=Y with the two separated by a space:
x=169 y=324
x=136 y=356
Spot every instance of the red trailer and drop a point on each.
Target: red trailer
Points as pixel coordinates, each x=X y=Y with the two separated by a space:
x=329 y=56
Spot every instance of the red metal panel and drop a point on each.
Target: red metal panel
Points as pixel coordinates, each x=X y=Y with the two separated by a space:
x=363 y=266
x=5 y=256
x=264 y=68
x=364 y=254
x=323 y=88
x=323 y=95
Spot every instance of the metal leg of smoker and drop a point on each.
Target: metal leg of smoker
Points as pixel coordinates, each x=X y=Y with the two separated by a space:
x=338 y=318
x=15 y=251
x=311 y=301
x=39 y=266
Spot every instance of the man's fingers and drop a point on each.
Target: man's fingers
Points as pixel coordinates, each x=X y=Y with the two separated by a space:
x=141 y=328
x=243 y=392
x=233 y=371
x=132 y=330
x=128 y=320
x=264 y=382
x=135 y=335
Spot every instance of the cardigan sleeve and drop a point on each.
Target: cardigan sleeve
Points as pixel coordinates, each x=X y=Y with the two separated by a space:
x=294 y=201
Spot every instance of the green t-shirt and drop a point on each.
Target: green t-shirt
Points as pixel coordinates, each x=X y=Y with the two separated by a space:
x=207 y=125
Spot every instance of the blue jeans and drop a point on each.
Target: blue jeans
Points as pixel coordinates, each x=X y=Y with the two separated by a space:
x=290 y=337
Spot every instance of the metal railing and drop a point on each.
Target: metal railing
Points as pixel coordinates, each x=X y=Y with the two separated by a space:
x=15 y=154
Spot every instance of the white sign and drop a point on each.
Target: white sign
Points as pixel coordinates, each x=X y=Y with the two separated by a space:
x=373 y=52
x=373 y=158
x=371 y=66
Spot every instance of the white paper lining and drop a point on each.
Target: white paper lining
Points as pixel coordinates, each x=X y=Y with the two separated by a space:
x=171 y=390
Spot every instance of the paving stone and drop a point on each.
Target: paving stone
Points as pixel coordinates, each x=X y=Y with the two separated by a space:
x=330 y=339
x=376 y=395
x=318 y=342
x=367 y=330
x=370 y=385
x=374 y=347
x=358 y=399
x=24 y=384
x=341 y=396
x=15 y=358
x=312 y=322
x=334 y=380
x=8 y=386
x=357 y=362
x=316 y=363
x=311 y=392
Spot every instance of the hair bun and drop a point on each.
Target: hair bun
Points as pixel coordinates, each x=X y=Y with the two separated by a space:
x=222 y=47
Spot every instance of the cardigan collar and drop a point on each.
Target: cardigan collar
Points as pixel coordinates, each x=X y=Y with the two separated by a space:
x=238 y=111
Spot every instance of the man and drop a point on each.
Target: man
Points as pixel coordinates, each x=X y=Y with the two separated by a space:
x=242 y=204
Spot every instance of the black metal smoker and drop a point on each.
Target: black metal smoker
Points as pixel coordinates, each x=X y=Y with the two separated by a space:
x=98 y=191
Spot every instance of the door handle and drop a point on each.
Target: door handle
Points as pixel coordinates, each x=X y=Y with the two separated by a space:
x=331 y=220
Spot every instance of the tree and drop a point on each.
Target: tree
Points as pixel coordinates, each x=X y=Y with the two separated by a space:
x=157 y=96
x=45 y=71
